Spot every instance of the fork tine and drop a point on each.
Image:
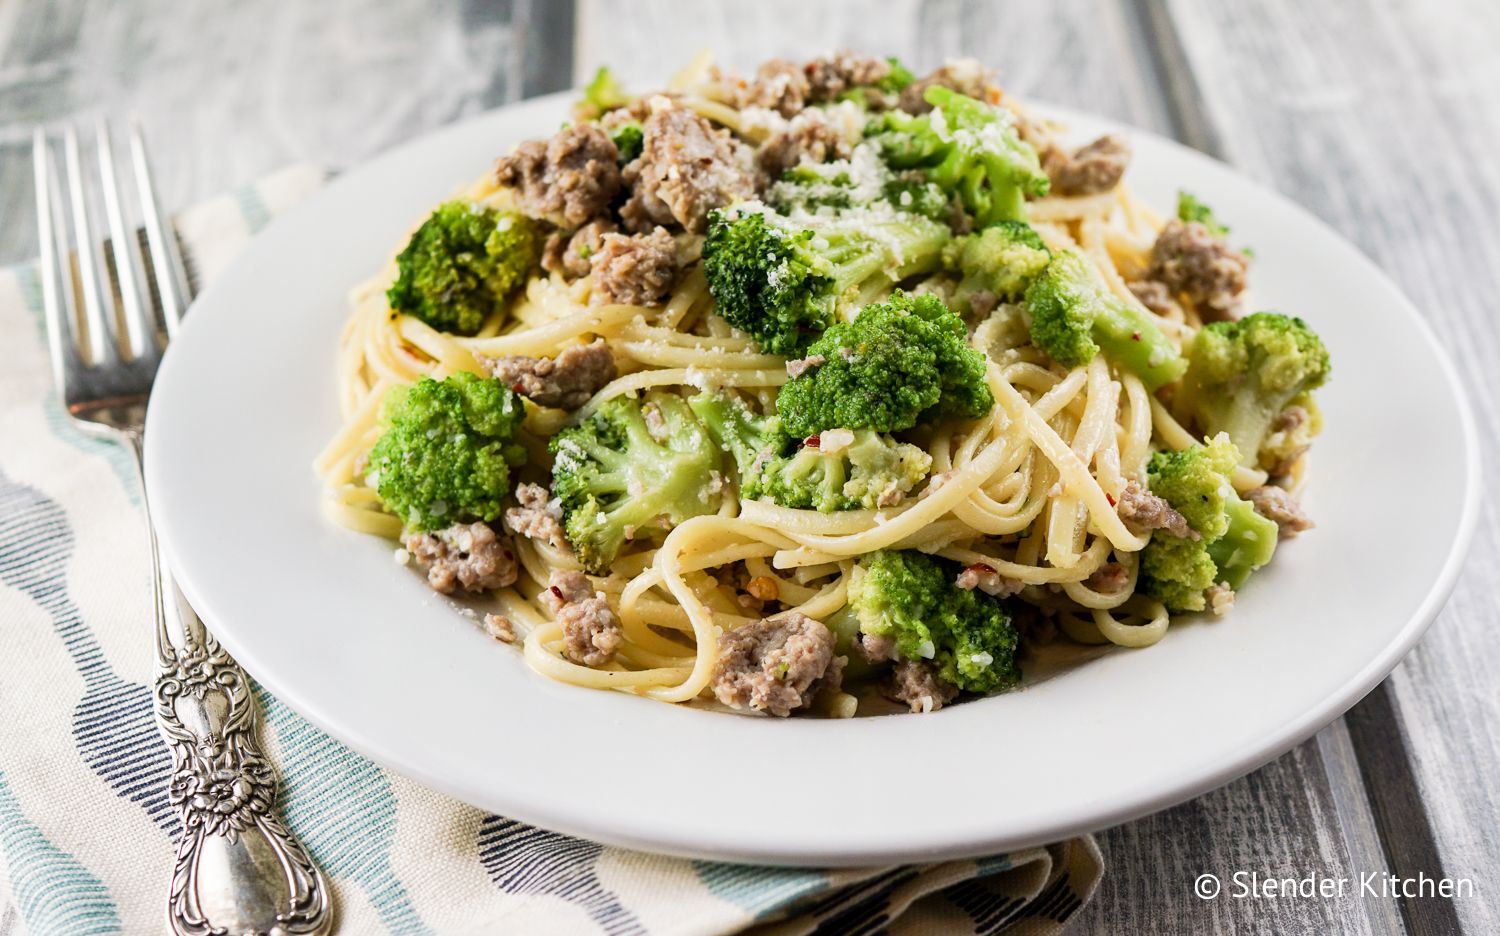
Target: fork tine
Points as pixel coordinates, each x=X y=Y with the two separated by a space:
x=140 y=324
x=100 y=319
x=57 y=293
x=171 y=282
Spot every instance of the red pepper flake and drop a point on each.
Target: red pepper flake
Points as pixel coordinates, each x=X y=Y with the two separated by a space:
x=981 y=568
x=813 y=441
x=1109 y=497
x=517 y=387
x=1135 y=336
x=556 y=591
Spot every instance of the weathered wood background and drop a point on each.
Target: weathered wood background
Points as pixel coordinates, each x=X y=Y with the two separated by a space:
x=1379 y=116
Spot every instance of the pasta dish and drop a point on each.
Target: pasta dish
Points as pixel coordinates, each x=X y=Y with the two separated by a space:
x=827 y=390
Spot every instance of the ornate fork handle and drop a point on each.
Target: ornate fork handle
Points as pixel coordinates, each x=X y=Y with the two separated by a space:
x=239 y=871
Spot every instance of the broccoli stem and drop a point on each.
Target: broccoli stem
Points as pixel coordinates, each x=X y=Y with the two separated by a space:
x=1247 y=545
x=1247 y=419
x=1009 y=202
x=1130 y=338
x=856 y=265
x=912 y=246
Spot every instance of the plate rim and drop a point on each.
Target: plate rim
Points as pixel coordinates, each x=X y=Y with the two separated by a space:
x=1086 y=817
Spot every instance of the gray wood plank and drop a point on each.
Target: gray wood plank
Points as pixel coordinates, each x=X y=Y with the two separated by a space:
x=1380 y=118
x=1306 y=812
x=544 y=35
x=229 y=91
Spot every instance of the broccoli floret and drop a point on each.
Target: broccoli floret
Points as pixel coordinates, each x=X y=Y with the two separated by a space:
x=904 y=362
x=858 y=182
x=1074 y=316
x=842 y=183
x=1177 y=571
x=1002 y=259
x=894 y=82
x=911 y=598
x=880 y=471
x=1194 y=481
x=897 y=78
x=783 y=278
x=463 y=263
x=624 y=474
x=911 y=193
x=968 y=148
x=603 y=93
x=861 y=181
x=1232 y=539
x=629 y=140
x=748 y=438
x=1189 y=208
x=1241 y=375
x=871 y=470
x=841 y=470
x=447 y=451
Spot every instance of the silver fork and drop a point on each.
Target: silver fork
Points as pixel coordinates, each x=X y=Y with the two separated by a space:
x=238 y=869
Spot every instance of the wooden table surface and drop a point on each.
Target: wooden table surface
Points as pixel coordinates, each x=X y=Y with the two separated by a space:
x=1379 y=116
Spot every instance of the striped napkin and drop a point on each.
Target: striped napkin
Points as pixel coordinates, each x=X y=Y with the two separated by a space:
x=86 y=834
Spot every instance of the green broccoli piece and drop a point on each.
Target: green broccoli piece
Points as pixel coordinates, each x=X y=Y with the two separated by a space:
x=462 y=264
x=1189 y=208
x=783 y=279
x=1248 y=542
x=447 y=451
x=861 y=181
x=894 y=82
x=619 y=480
x=629 y=139
x=1242 y=375
x=1195 y=482
x=1231 y=539
x=750 y=439
x=841 y=183
x=1003 y=259
x=863 y=470
x=603 y=93
x=911 y=193
x=911 y=598
x=880 y=472
x=967 y=148
x=1177 y=571
x=871 y=471
x=1074 y=316
x=898 y=364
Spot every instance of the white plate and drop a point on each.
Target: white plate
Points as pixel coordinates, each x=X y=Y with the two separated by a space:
x=326 y=621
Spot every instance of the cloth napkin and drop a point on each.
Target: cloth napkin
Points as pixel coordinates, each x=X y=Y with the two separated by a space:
x=86 y=833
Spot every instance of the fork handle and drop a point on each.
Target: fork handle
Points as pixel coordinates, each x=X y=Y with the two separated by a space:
x=238 y=868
